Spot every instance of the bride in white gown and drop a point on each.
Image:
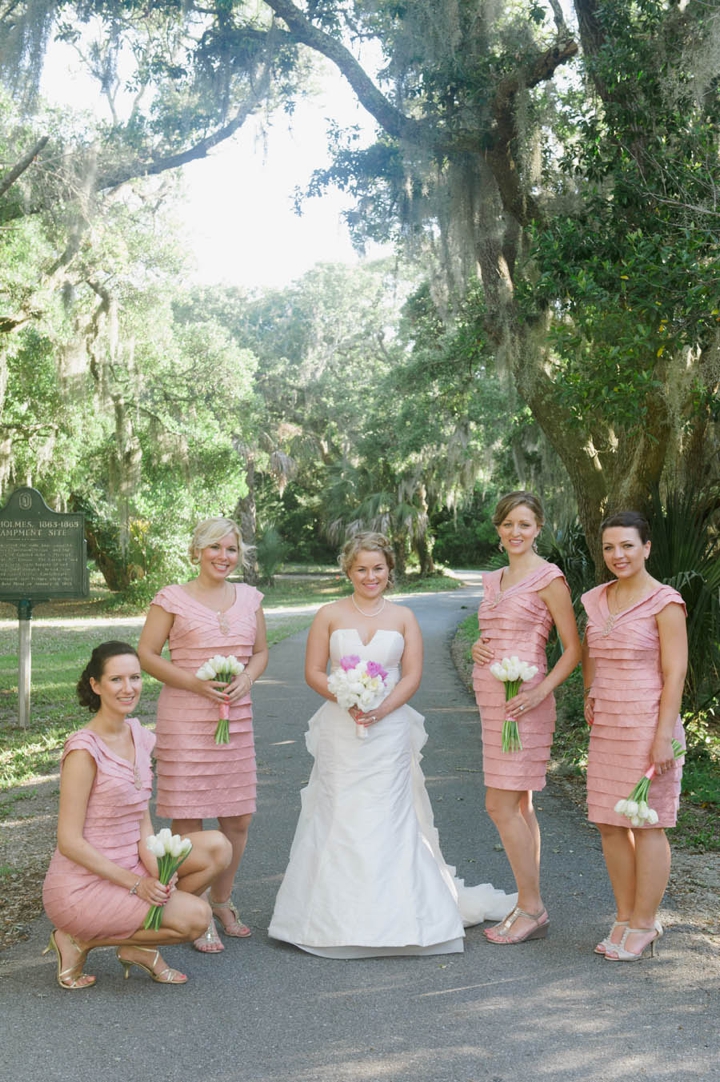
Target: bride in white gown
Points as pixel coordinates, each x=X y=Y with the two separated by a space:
x=366 y=876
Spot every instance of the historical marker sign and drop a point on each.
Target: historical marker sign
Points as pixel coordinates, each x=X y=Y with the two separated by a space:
x=42 y=552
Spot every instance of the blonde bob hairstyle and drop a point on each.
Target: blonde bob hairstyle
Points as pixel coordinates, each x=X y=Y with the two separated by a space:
x=211 y=530
x=367 y=542
x=518 y=499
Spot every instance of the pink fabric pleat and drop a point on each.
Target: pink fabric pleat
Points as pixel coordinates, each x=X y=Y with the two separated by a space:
x=626 y=692
x=517 y=622
x=75 y=899
x=197 y=778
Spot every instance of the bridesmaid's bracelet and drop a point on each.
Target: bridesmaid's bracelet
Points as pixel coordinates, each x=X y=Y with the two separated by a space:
x=133 y=889
x=587 y=691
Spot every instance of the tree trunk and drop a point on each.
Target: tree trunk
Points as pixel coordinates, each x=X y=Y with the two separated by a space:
x=246 y=517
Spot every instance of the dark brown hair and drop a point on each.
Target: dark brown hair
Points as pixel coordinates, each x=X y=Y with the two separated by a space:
x=630 y=520
x=96 y=667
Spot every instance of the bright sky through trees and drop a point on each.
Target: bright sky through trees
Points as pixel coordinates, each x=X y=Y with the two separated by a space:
x=239 y=217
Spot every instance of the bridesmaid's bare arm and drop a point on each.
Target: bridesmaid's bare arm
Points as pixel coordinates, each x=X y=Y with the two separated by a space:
x=256 y=666
x=588 y=670
x=672 y=631
x=557 y=598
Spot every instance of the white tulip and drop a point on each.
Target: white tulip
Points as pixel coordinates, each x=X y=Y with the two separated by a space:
x=621 y=807
x=632 y=809
x=652 y=817
x=155 y=846
x=635 y=821
x=206 y=671
x=176 y=846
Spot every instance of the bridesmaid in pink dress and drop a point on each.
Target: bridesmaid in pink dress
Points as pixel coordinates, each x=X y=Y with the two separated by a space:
x=521 y=603
x=197 y=778
x=634 y=663
x=102 y=879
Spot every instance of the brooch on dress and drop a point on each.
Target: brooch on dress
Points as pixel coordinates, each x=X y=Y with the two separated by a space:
x=222 y=621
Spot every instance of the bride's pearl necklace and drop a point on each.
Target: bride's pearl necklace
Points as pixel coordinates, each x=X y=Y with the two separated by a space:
x=377 y=611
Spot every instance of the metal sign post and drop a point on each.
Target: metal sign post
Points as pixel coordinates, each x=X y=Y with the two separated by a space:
x=42 y=558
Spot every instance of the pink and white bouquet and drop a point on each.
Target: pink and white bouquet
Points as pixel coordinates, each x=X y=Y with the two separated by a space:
x=513 y=672
x=223 y=669
x=358 y=683
x=636 y=807
x=170 y=851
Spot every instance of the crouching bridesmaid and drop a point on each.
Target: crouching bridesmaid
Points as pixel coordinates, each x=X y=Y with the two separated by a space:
x=103 y=880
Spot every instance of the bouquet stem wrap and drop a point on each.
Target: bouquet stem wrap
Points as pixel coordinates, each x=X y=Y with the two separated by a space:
x=223 y=670
x=170 y=851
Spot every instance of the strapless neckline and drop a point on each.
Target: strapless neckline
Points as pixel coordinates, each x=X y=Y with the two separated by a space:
x=380 y=631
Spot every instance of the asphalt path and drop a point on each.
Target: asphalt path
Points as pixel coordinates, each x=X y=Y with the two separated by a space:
x=265 y=1012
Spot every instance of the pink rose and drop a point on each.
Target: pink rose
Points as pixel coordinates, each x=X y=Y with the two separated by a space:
x=349 y=662
x=374 y=668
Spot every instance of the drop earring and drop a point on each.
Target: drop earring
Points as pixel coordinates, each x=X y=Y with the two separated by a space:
x=500 y=547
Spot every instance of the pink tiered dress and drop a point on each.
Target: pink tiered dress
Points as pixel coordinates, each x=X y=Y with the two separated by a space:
x=626 y=693
x=516 y=622
x=197 y=778
x=77 y=900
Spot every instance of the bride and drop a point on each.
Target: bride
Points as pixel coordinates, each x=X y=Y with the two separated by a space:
x=366 y=876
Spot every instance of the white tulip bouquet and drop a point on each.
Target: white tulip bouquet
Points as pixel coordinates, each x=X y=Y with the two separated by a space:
x=170 y=851
x=358 y=683
x=512 y=672
x=636 y=807
x=223 y=669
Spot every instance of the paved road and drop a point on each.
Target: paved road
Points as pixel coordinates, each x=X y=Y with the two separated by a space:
x=263 y=1012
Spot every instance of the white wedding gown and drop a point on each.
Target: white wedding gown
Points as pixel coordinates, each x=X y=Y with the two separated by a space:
x=366 y=876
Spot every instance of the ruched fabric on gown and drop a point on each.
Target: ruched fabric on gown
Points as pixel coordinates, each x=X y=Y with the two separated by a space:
x=366 y=876
x=75 y=899
x=517 y=622
x=197 y=778
x=626 y=693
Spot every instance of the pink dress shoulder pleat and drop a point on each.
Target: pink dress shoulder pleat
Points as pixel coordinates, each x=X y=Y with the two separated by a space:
x=77 y=900
x=626 y=692
x=517 y=622
x=197 y=778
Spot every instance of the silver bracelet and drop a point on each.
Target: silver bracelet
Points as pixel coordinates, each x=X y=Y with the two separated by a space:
x=133 y=889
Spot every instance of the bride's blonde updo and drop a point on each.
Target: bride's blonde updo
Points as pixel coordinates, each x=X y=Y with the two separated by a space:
x=211 y=530
x=368 y=541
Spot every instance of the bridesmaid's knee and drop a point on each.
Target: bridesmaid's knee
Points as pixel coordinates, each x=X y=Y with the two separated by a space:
x=219 y=849
x=194 y=918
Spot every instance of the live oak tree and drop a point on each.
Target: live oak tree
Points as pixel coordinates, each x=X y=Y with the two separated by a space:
x=572 y=168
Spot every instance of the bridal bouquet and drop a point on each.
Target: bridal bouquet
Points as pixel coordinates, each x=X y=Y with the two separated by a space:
x=358 y=683
x=223 y=669
x=513 y=672
x=170 y=850
x=636 y=808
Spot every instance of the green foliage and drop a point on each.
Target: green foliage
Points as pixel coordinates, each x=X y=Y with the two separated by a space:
x=271 y=552
x=685 y=554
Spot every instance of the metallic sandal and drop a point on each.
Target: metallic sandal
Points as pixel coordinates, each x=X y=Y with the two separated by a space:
x=537 y=931
x=69 y=978
x=168 y=975
x=234 y=928
x=606 y=944
x=209 y=942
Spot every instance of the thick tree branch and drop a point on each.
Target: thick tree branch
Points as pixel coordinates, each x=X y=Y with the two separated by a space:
x=515 y=195
x=391 y=119
x=24 y=163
